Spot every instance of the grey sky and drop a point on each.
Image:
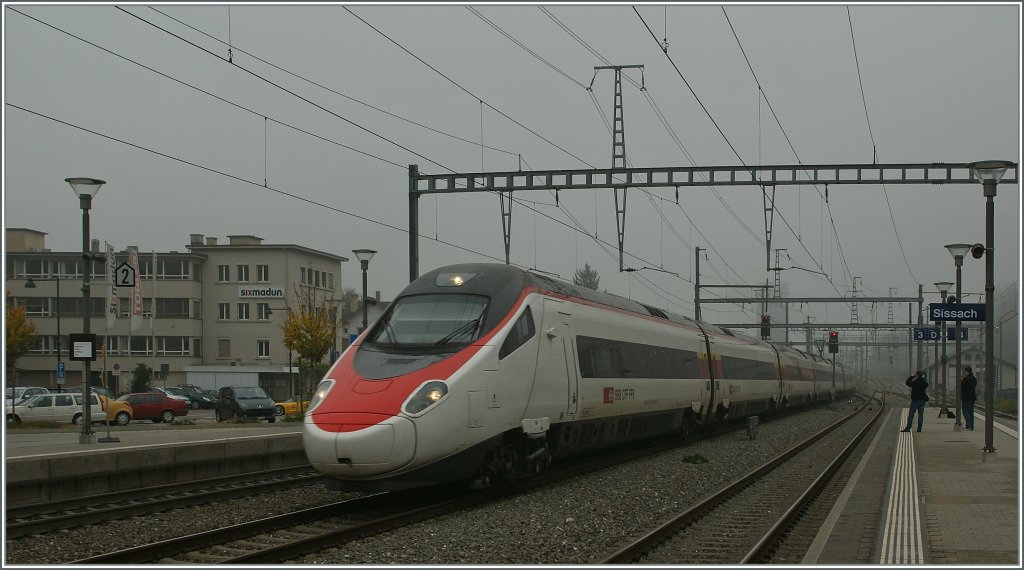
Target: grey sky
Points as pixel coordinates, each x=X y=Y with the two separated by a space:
x=941 y=83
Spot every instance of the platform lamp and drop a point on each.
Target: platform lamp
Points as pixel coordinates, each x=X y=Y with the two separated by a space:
x=943 y=287
x=364 y=256
x=989 y=173
x=958 y=251
x=85 y=189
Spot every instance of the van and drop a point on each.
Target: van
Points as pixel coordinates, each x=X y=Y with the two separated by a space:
x=243 y=402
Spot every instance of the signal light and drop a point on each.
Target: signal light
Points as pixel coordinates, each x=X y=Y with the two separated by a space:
x=833 y=342
x=766 y=330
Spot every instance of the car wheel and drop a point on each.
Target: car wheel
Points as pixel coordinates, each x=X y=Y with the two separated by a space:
x=77 y=420
x=14 y=418
x=123 y=418
x=167 y=417
x=279 y=410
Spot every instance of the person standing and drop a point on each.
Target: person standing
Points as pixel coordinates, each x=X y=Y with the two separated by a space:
x=968 y=394
x=918 y=399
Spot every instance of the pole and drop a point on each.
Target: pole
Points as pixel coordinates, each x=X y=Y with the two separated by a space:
x=59 y=380
x=414 y=227
x=696 y=286
x=989 y=188
x=920 y=309
x=366 y=265
x=86 y=435
x=957 y=426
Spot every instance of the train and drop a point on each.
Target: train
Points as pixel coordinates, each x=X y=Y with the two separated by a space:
x=487 y=373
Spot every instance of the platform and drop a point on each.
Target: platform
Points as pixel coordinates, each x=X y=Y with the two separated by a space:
x=928 y=497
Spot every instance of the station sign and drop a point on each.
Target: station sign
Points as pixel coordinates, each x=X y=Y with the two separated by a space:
x=956 y=312
x=932 y=333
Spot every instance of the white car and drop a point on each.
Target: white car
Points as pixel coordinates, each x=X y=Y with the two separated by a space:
x=61 y=407
x=22 y=393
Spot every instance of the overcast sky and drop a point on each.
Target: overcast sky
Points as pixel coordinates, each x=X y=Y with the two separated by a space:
x=145 y=98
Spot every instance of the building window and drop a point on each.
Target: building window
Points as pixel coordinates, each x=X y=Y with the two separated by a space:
x=223 y=348
x=173 y=345
x=223 y=273
x=263 y=273
x=243 y=311
x=262 y=348
x=224 y=310
x=263 y=311
x=302 y=275
x=173 y=268
x=243 y=273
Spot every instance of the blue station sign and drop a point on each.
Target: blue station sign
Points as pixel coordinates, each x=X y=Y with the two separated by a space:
x=956 y=312
x=932 y=333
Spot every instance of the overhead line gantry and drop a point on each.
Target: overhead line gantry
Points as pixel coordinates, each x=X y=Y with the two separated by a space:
x=669 y=177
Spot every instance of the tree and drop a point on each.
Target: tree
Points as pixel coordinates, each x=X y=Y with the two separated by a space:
x=21 y=336
x=141 y=378
x=587 y=277
x=310 y=328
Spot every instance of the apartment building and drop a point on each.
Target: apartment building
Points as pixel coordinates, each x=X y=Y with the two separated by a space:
x=211 y=315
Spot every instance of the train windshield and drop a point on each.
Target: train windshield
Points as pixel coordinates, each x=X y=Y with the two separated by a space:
x=437 y=319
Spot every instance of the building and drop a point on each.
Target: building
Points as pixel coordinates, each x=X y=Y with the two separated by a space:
x=211 y=316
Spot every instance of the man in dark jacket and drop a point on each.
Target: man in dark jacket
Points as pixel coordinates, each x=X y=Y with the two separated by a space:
x=968 y=384
x=918 y=399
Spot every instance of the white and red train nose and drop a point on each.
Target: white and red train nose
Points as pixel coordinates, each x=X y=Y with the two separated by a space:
x=359 y=444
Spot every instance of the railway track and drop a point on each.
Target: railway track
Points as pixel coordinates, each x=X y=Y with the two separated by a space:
x=293 y=535
x=745 y=521
x=81 y=511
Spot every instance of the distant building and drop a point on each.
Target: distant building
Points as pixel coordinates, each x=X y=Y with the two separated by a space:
x=211 y=315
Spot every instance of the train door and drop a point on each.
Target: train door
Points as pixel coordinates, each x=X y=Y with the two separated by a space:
x=555 y=389
x=711 y=371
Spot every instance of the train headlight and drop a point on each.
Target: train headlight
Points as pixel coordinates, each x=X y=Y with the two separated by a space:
x=321 y=392
x=428 y=394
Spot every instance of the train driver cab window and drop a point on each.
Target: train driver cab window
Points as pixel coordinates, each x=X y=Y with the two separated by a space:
x=521 y=332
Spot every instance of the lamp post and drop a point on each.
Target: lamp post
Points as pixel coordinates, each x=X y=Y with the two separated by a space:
x=989 y=173
x=943 y=287
x=31 y=284
x=364 y=256
x=85 y=189
x=958 y=251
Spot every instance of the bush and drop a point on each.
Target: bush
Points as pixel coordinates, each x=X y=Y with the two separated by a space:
x=1007 y=406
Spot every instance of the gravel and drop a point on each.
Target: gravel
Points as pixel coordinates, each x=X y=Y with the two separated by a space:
x=569 y=523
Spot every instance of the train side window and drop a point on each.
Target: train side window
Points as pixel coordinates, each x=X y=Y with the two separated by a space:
x=521 y=332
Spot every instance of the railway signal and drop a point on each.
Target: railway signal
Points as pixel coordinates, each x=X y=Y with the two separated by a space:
x=833 y=342
x=766 y=322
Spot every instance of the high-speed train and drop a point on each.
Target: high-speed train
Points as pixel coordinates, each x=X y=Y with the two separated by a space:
x=487 y=373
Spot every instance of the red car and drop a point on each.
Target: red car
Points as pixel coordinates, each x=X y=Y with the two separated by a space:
x=155 y=406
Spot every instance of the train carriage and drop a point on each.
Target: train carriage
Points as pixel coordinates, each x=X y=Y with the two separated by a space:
x=487 y=373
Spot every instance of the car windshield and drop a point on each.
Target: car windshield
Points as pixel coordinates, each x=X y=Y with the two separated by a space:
x=431 y=320
x=250 y=392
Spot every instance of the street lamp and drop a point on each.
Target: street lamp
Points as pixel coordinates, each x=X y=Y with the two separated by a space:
x=364 y=256
x=989 y=173
x=85 y=189
x=958 y=251
x=31 y=284
x=943 y=287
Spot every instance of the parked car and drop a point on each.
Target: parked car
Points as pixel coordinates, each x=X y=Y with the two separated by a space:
x=243 y=402
x=20 y=394
x=95 y=389
x=172 y=392
x=291 y=406
x=155 y=406
x=121 y=413
x=197 y=398
x=63 y=407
